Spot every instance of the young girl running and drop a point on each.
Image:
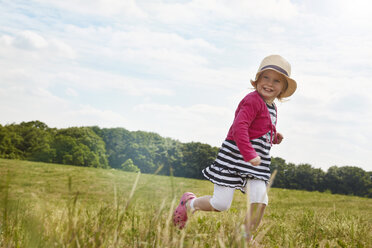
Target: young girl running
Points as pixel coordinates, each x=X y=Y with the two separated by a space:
x=244 y=156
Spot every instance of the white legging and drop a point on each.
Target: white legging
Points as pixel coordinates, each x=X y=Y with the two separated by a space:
x=223 y=196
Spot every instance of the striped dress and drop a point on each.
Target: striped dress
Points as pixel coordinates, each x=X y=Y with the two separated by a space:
x=229 y=168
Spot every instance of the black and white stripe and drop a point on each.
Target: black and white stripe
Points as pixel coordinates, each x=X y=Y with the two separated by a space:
x=229 y=168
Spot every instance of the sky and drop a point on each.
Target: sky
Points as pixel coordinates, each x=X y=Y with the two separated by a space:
x=180 y=68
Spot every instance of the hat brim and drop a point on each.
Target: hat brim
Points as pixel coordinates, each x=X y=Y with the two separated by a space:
x=292 y=85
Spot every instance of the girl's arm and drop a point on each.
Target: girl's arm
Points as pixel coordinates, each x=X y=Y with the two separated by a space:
x=240 y=126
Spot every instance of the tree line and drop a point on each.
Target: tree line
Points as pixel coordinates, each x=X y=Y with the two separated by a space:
x=148 y=152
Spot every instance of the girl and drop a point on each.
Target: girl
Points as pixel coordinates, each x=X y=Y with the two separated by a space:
x=244 y=155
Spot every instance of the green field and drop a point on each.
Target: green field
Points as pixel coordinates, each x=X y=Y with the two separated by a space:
x=49 y=205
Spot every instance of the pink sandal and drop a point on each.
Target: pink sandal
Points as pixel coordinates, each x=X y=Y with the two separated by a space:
x=180 y=214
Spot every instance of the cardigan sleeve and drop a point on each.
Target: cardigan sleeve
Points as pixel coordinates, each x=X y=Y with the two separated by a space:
x=243 y=119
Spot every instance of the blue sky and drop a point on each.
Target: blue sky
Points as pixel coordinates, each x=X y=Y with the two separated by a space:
x=179 y=68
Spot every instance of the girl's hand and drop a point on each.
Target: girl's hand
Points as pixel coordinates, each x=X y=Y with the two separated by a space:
x=279 y=138
x=255 y=161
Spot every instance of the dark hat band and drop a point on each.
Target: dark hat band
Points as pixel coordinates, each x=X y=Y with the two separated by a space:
x=275 y=68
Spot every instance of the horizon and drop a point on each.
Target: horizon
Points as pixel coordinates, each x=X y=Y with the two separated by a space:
x=183 y=142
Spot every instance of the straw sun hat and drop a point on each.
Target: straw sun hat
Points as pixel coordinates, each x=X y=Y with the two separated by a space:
x=280 y=65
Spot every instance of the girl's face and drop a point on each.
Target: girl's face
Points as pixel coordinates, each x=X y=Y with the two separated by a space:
x=270 y=84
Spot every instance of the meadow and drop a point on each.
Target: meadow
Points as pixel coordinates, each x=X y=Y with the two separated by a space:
x=50 y=205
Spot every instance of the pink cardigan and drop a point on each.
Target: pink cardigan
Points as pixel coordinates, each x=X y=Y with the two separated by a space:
x=252 y=120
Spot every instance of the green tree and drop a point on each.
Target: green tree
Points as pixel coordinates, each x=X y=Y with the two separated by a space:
x=117 y=141
x=308 y=178
x=11 y=142
x=280 y=166
x=28 y=140
x=147 y=150
x=196 y=156
x=348 y=180
x=80 y=146
x=129 y=166
x=37 y=139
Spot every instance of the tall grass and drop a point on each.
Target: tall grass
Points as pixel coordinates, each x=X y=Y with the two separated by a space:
x=47 y=205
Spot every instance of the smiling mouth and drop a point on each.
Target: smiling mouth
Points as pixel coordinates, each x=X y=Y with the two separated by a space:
x=268 y=89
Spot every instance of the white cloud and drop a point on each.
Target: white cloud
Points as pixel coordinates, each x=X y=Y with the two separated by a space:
x=277 y=29
x=185 y=112
x=86 y=115
x=30 y=40
x=50 y=59
x=40 y=104
x=146 y=47
x=95 y=80
x=195 y=11
x=348 y=13
x=203 y=11
x=99 y=7
x=71 y=92
x=6 y=40
x=325 y=129
x=31 y=45
x=143 y=38
x=21 y=104
x=166 y=55
x=200 y=122
x=271 y=9
x=62 y=49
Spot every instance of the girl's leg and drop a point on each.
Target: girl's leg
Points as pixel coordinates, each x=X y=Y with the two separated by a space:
x=201 y=203
x=220 y=201
x=259 y=200
x=255 y=217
